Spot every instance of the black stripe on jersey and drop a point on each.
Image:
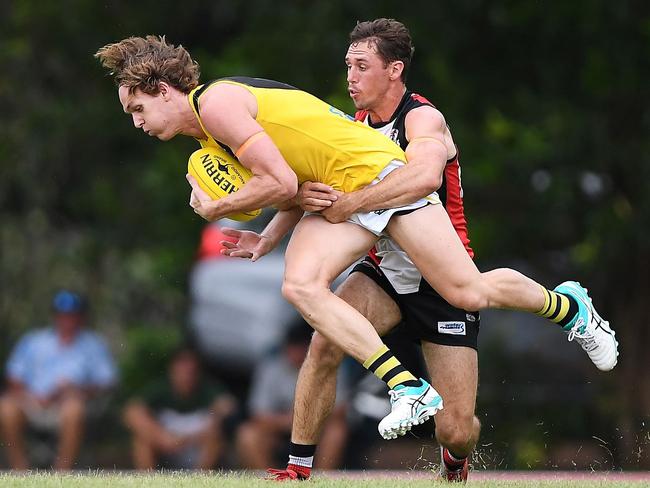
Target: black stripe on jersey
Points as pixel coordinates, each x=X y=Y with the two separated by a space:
x=442 y=191
x=406 y=104
x=258 y=82
x=195 y=102
x=244 y=80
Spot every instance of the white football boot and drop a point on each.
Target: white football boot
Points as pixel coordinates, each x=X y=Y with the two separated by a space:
x=589 y=329
x=410 y=405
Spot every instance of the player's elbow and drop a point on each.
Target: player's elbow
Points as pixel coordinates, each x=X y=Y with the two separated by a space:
x=429 y=182
x=286 y=187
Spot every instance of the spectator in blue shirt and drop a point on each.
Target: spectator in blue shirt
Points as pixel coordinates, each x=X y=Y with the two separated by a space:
x=57 y=377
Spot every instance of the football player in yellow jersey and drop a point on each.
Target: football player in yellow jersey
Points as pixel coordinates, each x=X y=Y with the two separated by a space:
x=154 y=79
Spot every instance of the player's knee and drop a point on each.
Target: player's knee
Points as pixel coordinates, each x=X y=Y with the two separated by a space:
x=456 y=432
x=324 y=355
x=467 y=298
x=300 y=290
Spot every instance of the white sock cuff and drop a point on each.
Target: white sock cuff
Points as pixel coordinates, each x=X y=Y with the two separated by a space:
x=306 y=462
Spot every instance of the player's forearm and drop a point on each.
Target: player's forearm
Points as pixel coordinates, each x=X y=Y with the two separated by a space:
x=411 y=182
x=281 y=223
x=258 y=192
x=401 y=187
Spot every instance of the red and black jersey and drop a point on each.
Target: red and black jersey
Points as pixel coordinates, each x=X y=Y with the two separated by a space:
x=451 y=190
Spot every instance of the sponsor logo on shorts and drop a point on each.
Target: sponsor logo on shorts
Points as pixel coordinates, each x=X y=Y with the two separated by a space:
x=470 y=317
x=453 y=328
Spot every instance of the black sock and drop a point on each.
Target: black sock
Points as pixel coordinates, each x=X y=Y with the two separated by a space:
x=302 y=450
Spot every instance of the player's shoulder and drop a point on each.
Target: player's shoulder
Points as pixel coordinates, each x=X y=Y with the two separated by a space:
x=416 y=100
x=425 y=114
x=417 y=107
x=221 y=99
x=224 y=91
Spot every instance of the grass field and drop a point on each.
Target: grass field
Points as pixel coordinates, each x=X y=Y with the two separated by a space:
x=330 y=480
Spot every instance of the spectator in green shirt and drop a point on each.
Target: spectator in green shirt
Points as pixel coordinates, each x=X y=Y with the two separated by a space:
x=177 y=422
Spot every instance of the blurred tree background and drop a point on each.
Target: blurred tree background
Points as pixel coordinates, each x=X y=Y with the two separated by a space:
x=549 y=101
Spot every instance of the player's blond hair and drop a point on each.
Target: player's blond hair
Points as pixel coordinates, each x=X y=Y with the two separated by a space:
x=143 y=62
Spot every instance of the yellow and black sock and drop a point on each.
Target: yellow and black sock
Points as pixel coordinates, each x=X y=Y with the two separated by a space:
x=558 y=307
x=387 y=368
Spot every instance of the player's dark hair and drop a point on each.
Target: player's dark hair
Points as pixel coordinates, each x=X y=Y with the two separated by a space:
x=138 y=62
x=391 y=39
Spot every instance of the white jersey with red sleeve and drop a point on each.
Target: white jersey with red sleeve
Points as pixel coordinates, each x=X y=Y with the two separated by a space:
x=392 y=260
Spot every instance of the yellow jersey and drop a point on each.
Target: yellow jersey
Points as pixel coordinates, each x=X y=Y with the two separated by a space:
x=319 y=142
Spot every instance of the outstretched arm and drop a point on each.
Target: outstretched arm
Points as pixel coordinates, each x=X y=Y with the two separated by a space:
x=426 y=154
x=253 y=246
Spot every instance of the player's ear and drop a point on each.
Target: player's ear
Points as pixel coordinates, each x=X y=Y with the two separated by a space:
x=396 y=69
x=164 y=90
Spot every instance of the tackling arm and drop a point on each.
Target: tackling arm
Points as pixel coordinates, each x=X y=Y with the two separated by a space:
x=426 y=155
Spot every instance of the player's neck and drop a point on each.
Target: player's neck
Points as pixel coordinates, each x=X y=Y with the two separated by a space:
x=386 y=106
x=190 y=125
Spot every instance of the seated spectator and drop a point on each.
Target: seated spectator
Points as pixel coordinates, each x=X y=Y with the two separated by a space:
x=57 y=377
x=177 y=422
x=261 y=440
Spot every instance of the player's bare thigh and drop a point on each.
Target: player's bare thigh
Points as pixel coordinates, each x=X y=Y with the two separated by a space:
x=433 y=245
x=371 y=300
x=319 y=251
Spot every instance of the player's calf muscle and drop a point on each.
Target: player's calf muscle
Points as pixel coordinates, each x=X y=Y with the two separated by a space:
x=323 y=354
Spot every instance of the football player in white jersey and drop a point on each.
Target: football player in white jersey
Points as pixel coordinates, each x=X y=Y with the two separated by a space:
x=386 y=286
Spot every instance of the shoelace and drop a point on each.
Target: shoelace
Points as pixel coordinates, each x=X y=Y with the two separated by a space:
x=281 y=474
x=588 y=341
x=394 y=395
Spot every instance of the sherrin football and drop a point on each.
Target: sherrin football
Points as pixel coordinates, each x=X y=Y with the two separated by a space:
x=219 y=174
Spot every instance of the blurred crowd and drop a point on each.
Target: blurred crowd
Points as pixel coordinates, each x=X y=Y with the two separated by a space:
x=224 y=399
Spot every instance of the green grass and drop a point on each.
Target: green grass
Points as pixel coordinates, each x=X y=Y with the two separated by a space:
x=230 y=480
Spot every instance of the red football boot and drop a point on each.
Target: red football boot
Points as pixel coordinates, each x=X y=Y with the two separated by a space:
x=291 y=473
x=451 y=469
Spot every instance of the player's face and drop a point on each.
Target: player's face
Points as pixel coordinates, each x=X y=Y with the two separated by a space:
x=368 y=76
x=151 y=113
